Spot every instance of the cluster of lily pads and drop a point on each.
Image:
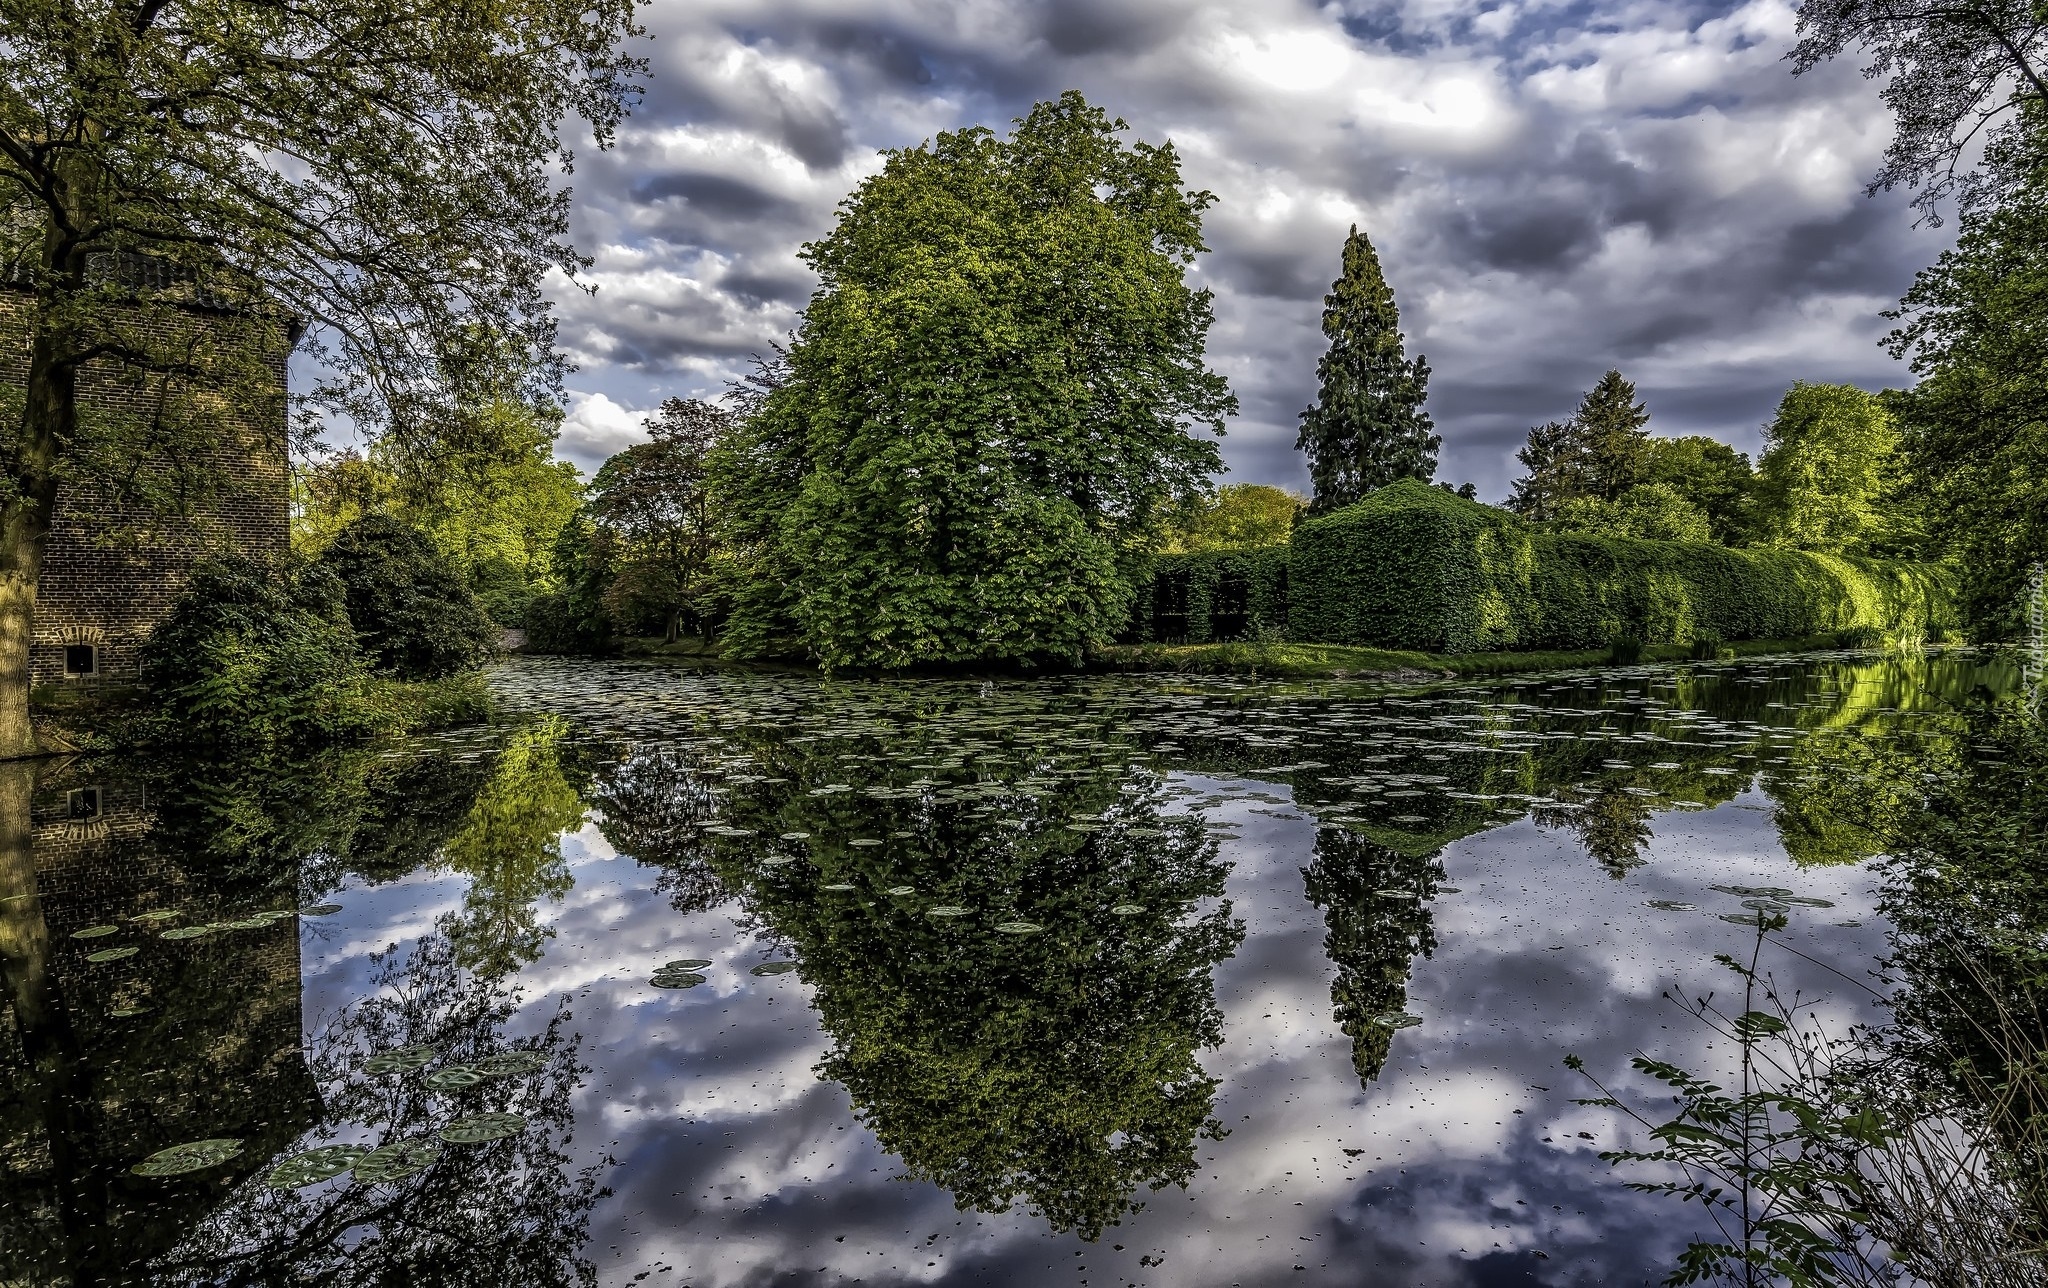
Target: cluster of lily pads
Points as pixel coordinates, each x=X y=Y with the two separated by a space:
x=151 y=920
x=1763 y=902
x=372 y=1165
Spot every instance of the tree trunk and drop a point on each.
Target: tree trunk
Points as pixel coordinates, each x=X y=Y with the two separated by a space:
x=49 y=417
x=55 y=1086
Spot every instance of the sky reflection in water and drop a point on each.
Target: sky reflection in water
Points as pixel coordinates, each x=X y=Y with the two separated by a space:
x=1222 y=1087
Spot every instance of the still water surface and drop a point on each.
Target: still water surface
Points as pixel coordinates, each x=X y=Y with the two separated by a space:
x=717 y=978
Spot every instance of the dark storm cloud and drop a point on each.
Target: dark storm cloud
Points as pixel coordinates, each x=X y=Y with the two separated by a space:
x=714 y=194
x=1073 y=28
x=1554 y=189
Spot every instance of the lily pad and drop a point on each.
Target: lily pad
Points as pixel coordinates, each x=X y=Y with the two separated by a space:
x=250 y=923
x=187 y=932
x=112 y=954
x=478 y=1128
x=315 y=1165
x=506 y=1064
x=948 y=910
x=773 y=968
x=128 y=1012
x=796 y=836
x=686 y=963
x=1806 y=901
x=1019 y=927
x=189 y=1157
x=1127 y=910
x=839 y=887
x=864 y=842
x=454 y=1077
x=161 y=914
x=675 y=979
x=778 y=860
x=1397 y=1020
x=95 y=932
x=1743 y=918
x=320 y=910
x=900 y=891
x=1668 y=905
x=396 y=1161
x=400 y=1060
x=1395 y=894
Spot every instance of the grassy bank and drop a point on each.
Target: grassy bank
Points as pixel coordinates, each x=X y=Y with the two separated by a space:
x=1341 y=662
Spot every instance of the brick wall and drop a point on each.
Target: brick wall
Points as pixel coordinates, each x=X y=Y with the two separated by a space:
x=111 y=569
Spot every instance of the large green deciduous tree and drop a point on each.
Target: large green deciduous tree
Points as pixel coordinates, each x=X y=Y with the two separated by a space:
x=1974 y=430
x=386 y=174
x=1367 y=428
x=1827 y=467
x=987 y=407
x=1712 y=477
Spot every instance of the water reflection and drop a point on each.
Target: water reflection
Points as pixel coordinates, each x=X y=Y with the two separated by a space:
x=508 y=1211
x=1014 y=972
x=1042 y=935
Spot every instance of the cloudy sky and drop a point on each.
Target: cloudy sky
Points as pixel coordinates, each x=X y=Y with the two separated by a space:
x=1555 y=187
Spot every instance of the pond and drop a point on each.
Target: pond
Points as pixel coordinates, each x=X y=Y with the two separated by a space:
x=711 y=977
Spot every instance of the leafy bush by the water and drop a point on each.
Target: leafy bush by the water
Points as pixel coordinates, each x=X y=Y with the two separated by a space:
x=1213 y=596
x=416 y=616
x=1416 y=567
x=256 y=653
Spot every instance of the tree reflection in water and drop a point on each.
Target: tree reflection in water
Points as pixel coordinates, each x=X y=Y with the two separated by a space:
x=509 y=846
x=1055 y=1068
x=506 y=1212
x=1376 y=904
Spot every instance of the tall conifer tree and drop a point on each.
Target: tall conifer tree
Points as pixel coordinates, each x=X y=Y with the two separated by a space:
x=1368 y=428
x=1614 y=437
x=1601 y=452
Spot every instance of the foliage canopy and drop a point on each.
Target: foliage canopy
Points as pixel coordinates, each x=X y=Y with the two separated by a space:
x=1974 y=431
x=987 y=407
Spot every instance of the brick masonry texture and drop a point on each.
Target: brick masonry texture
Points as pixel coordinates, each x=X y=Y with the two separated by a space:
x=112 y=569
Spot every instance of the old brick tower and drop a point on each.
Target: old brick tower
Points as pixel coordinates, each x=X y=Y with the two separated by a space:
x=112 y=568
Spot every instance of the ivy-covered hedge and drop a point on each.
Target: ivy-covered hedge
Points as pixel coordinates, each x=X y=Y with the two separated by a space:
x=1212 y=596
x=1415 y=567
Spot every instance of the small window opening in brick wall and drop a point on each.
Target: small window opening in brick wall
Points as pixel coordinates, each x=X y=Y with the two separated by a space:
x=83 y=802
x=81 y=660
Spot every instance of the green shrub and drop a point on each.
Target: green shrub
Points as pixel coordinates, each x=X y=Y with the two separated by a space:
x=1705 y=648
x=1416 y=567
x=1212 y=596
x=256 y=654
x=412 y=609
x=1625 y=650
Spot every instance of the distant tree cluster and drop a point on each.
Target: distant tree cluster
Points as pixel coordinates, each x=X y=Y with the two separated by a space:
x=1830 y=477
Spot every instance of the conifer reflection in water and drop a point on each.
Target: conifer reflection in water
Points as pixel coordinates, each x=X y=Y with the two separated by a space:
x=1376 y=903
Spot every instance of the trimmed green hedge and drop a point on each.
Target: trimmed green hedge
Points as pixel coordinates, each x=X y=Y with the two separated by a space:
x=1415 y=567
x=1212 y=596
